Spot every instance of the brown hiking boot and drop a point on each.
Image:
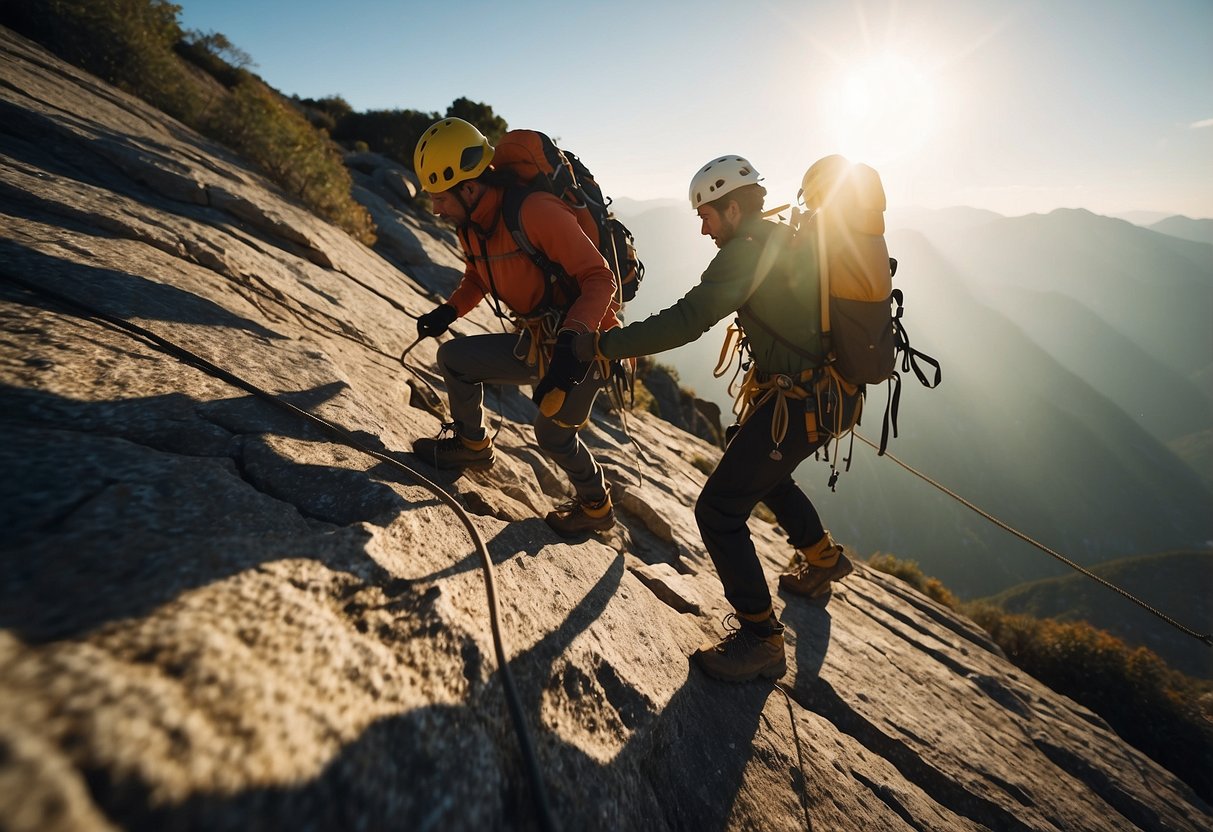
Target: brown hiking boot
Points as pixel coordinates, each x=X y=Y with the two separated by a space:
x=812 y=579
x=575 y=518
x=454 y=451
x=746 y=652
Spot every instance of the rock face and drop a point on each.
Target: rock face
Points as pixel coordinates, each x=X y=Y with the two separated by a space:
x=214 y=615
x=679 y=407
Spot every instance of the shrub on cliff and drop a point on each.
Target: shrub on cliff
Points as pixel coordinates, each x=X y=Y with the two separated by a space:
x=911 y=573
x=277 y=138
x=137 y=45
x=127 y=42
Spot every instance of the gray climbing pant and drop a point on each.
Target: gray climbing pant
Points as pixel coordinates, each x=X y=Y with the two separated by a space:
x=468 y=363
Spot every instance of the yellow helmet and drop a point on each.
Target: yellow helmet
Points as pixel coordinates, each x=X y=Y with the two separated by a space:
x=450 y=151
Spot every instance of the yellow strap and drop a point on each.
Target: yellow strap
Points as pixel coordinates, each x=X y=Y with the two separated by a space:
x=732 y=344
x=754 y=394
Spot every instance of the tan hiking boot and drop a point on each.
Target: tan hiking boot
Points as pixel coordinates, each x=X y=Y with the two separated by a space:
x=575 y=518
x=815 y=567
x=745 y=653
x=455 y=450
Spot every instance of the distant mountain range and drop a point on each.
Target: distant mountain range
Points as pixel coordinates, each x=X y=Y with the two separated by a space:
x=1076 y=353
x=1200 y=231
x=1176 y=583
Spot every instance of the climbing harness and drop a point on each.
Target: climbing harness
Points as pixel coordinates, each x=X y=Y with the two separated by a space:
x=833 y=406
x=349 y=439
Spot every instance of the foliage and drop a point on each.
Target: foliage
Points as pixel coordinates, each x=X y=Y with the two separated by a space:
x=199 y=53
x=491 y=125
x=910 y=572
x=127 y=42
x=217 y=44
x=326 y=112
x=394 y=133
x=138 y=45
x=1153 y=707
x=643 y=398
x=269 y=132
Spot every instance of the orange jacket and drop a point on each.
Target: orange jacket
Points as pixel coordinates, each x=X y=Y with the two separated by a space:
x=495 y=261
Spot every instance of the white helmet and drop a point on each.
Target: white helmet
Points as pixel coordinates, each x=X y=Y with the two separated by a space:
x=720 y=176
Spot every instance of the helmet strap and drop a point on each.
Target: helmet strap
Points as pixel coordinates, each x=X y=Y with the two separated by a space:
x=468 y=207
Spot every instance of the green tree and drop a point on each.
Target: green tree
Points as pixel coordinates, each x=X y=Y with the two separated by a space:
x=393 y=133
x=491 y=125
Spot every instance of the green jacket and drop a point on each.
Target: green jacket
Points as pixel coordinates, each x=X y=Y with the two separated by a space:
x=773 y=289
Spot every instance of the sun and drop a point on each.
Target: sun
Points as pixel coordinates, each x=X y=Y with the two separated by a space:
x=880 y=109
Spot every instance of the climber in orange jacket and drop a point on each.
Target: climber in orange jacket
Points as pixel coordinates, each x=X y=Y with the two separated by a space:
x=454 y=163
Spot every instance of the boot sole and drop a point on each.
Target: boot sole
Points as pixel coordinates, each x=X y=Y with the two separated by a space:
x=773 y=672
x=458 y=466
x=574 y=535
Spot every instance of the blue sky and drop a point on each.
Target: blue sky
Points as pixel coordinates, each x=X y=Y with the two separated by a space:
x=1015 y=107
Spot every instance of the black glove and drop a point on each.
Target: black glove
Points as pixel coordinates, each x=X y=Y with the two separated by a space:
x=437 y=322
x=585 y=346
x=564 y=370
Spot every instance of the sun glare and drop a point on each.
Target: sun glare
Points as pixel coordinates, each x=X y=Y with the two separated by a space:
x=879 y=110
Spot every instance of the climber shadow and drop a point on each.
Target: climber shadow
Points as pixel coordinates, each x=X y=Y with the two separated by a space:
x=113 y=508
x=705 y=720
x=682 y=767
x=690 y=757
x=809 y=621
x=524 y=537
x=449 y=776
x=117 y=293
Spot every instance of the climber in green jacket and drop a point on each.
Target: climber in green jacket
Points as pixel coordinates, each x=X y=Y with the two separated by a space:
x=778 y=307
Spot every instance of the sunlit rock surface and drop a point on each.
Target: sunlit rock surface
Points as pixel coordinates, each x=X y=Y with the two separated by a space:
x=216 y=616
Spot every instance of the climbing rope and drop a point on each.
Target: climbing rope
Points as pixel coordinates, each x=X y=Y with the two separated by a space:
x=530 y=761
x=1207 y=638
x=804 y=781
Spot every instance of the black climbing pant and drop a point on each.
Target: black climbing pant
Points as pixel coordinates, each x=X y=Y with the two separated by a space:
x=746 y=476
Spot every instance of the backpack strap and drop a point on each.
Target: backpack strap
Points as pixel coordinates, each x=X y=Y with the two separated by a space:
x=554 y=273
x=910 y=356
x=909 y=362
x=823 y=280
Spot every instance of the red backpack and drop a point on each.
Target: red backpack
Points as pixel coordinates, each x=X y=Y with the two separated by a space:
x=540 y=165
